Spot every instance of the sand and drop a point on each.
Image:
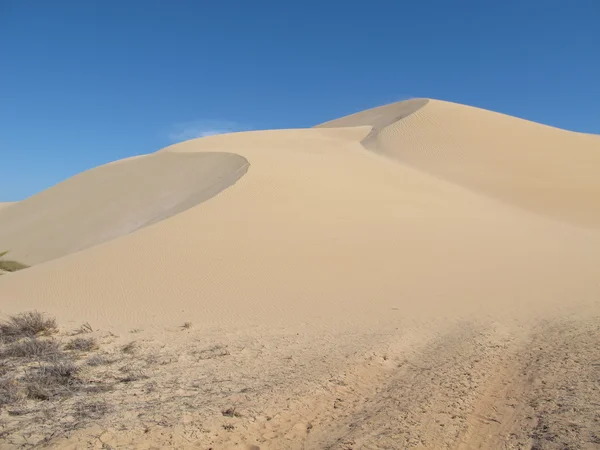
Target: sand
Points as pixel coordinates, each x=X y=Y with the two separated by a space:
x=112 y=200
x=406 y=277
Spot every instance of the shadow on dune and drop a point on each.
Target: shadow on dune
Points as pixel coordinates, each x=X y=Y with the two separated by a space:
x=378 y=118
x=112 y=200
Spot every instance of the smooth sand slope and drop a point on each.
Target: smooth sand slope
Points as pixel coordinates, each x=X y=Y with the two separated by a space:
x=536 y=167
x=366 y=301
x=111 y=200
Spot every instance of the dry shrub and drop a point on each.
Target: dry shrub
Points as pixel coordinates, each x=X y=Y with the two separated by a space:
x=130 y=348
x=98 y=360
x=29 y=324
x=82 y=344
x=32 y=348
x=52 y=380
x=9 y=391
x=91 y=410
x=11 y=266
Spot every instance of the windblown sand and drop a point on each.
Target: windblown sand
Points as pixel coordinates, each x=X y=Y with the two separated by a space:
x=420 y=275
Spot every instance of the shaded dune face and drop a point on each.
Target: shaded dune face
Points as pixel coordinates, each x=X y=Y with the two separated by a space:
x=538 y=168
x=378 y=118
x=112 y=200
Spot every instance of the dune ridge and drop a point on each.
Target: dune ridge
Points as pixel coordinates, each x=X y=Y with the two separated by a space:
x=536 y=167
x=112 y=200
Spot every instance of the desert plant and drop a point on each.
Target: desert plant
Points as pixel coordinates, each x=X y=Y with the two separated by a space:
x=97 y=360
x=48 y=381
x=82 y=344
x=129 y=348
x=9 y=392
x=29 y=324
x=93 y=410
x=231 y=412
x=32 y=348
x=132 y=373
x=10 y=266
x=214 y=351
x=83 y=329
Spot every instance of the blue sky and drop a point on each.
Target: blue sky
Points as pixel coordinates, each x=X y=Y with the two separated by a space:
x=87 y=82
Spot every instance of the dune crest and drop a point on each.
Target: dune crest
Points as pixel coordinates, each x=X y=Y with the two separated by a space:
x=539 y=168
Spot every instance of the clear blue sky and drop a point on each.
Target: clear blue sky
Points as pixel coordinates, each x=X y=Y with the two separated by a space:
x=87 y=82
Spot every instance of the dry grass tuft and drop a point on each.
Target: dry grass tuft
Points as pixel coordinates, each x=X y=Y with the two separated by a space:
x=56 y=386
x=82 y=344
x=130 y=348
x=9 y=391
x=32 y=348
x=29 y=324
x=53 y=380
x=231 y=412
x=10 y=266
x=215 y=351
x=92 y=410
x=132 y=373
x=98 y=360
x=83 y=329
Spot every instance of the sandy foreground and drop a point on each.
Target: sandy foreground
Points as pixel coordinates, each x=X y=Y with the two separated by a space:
x=422 y=275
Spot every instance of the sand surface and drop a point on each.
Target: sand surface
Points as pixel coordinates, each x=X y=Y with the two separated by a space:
x=424 y=275
x=112 y=200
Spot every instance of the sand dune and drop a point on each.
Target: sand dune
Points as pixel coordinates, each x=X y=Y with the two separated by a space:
x=418 y=234
x=377 y=118
x=112 y=200
x=536 y=167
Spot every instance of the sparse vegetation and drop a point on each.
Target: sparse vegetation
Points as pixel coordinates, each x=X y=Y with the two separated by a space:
x=231 y=412
x=82 y=344
x=9 y=391
x=32 y=348
x=50 y=387
x=93 y=410
x=187 y=325
x=35 y=367
x=10 y=266
x=29 y=324
x=98 y=360
x=129 y=348
x=214 y=351
x=52 y=380
x=83 y=329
